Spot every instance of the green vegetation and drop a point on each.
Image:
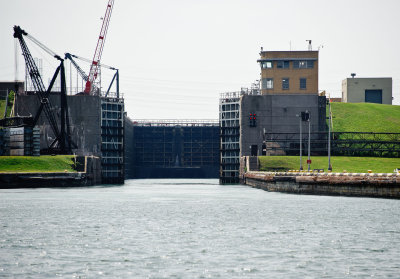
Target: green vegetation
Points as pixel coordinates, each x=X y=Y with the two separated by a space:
x=350 y=164
x=365 y=117
x=2 y=108
x=60 y=163
x=10 y=105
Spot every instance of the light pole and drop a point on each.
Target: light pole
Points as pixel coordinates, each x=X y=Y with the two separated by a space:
x=301 y=141
x=301 y=146
x=309 y=139
x=329 y=136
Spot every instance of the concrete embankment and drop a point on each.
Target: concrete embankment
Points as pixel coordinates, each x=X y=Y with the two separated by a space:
x=379 y=185
x=88 y=172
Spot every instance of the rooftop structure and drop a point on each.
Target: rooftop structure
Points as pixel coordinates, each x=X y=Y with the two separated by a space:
x=368 y=90
x=289 y=72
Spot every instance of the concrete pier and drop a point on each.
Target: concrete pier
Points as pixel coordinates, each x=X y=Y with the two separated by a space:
x=378 y=185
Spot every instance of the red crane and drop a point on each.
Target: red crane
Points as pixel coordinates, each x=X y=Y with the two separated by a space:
x=94 y=68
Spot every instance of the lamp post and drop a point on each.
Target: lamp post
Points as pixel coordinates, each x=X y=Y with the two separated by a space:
x=329 y=136
x=301 y=142
x=309 y=139
x=301 y=147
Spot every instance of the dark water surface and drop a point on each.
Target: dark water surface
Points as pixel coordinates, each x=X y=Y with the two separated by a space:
x=195 y=229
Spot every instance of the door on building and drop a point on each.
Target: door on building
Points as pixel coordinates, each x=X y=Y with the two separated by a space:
x=264 y=150
x=373 y=96
x=254 y=150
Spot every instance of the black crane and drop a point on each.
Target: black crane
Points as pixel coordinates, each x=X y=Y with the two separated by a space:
x=85 y=77
x=62 y=143
x=79 y=69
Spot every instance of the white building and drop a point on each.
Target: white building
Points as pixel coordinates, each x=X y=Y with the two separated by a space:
x=367 y=90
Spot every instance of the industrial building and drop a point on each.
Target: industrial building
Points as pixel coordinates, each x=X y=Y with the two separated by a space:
x=367 y=90
x=268 y=121
x=96 y=128
x=173 y=149
x=289 y=72
x=89 y=122
x=289 y=86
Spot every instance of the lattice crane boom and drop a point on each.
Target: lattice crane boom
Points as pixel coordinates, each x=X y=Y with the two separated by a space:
x=94 y=68
x=79 y=69
x=36 y=78
x=62 y=136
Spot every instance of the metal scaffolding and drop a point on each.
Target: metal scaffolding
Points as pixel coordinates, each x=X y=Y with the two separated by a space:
x=229 y=115
x=112 y=140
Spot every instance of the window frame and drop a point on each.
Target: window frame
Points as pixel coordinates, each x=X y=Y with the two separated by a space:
x=303 y=64
x=264 y=64
x=305 y=83
x=264 y=83
x=271 y=80
x=282 y=64
x=285 y=80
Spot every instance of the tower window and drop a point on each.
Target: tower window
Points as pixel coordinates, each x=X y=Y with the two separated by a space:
x=303 y=83
x=282 y=64
x=267 y=83
x=303 y=64
x=266 y=64
x=285 y=83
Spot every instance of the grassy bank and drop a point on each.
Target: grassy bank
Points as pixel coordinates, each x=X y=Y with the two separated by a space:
x=2 y=108
x=59 y=163
x=365 y=117
x=350 y=164
x=10 y=105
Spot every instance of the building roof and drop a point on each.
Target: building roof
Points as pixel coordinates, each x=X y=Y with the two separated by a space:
x=288 y=58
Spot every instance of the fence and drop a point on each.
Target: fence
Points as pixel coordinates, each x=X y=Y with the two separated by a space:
x=363 y=144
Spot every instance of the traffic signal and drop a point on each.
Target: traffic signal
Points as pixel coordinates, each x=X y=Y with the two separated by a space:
x=252 y=119
x=305 y=116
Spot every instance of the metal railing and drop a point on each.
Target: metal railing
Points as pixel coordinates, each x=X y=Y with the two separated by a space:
x=342 y=143
x=175 y=122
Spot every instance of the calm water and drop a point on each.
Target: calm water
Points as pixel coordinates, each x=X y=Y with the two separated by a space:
x=195 y=229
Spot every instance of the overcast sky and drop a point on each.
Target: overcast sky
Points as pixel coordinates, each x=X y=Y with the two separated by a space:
x=175 y=57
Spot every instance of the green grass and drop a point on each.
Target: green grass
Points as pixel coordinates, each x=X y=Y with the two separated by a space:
x=365 y=117
x=2 y=108
x=350 y=164
x=36 y=164
x=10 y=105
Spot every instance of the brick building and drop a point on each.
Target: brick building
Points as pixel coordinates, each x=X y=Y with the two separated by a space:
x=289 y=86
x=289 y=72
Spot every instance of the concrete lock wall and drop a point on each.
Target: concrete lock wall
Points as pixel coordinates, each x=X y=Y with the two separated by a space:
x=277 y=114
x=353 y=89
x=84 y=118
x=365 y=185
x=19 y=141
x=129 y=148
